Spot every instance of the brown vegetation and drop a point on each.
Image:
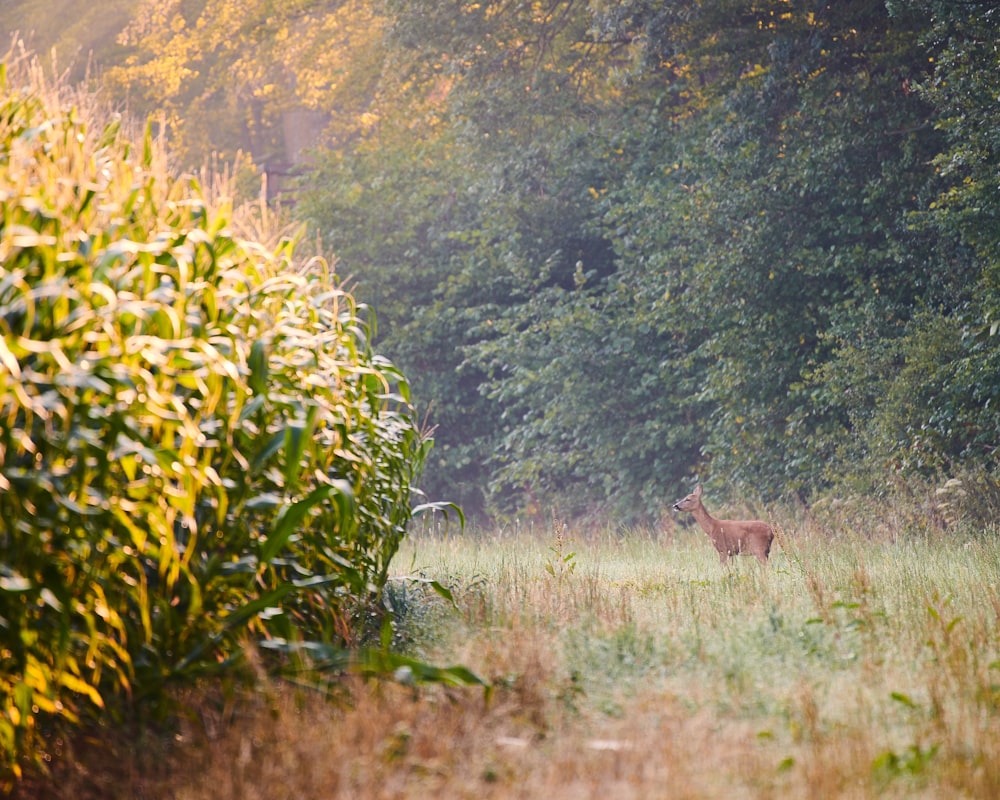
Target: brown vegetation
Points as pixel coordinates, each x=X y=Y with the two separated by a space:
x=862 y=663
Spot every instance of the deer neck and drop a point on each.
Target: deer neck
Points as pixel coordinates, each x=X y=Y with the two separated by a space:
x=705 y=520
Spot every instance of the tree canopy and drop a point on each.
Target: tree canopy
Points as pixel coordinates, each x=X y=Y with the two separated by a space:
x=619 y=245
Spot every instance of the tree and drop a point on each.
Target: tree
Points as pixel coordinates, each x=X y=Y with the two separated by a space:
x=795 y=160
x=223 y=75
x=513 y=97
x=690 y=234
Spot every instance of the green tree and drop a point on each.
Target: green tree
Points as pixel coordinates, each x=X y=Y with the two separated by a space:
x=796 y=157
x=674 y=237
x=960 y=425
x=223 y=75
x=510 y=211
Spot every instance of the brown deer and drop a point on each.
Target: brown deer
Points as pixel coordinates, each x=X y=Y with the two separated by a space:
x=730 y=537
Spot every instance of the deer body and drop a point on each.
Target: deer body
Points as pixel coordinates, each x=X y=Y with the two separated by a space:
x=730 y=537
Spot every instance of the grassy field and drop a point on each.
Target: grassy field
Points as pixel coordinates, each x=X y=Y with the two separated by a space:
x=862 y=661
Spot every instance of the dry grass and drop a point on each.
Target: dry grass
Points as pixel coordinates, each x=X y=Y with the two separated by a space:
x=632 y=665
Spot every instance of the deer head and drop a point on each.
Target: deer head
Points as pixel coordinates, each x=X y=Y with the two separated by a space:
x=691 y=502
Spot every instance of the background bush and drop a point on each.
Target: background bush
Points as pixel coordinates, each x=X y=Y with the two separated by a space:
x=197 y=441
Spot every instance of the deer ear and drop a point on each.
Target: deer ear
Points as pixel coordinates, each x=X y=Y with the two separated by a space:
x=697 y=491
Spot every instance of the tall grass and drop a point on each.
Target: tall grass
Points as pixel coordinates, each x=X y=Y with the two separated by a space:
x=856 y=664
x=849 y=662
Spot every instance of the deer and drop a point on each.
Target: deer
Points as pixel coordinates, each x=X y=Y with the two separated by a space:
x=730 y=537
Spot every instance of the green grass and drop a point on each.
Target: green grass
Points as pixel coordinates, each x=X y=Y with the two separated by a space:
x=632 y=665
x=886 y=651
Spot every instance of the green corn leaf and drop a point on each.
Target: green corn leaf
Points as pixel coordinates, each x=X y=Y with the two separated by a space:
x=291 y=517
x=444 y=508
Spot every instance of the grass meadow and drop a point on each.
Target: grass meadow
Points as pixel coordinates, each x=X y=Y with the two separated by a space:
x=862 y=661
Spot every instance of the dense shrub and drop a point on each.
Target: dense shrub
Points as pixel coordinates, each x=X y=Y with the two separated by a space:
x=197 y=441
